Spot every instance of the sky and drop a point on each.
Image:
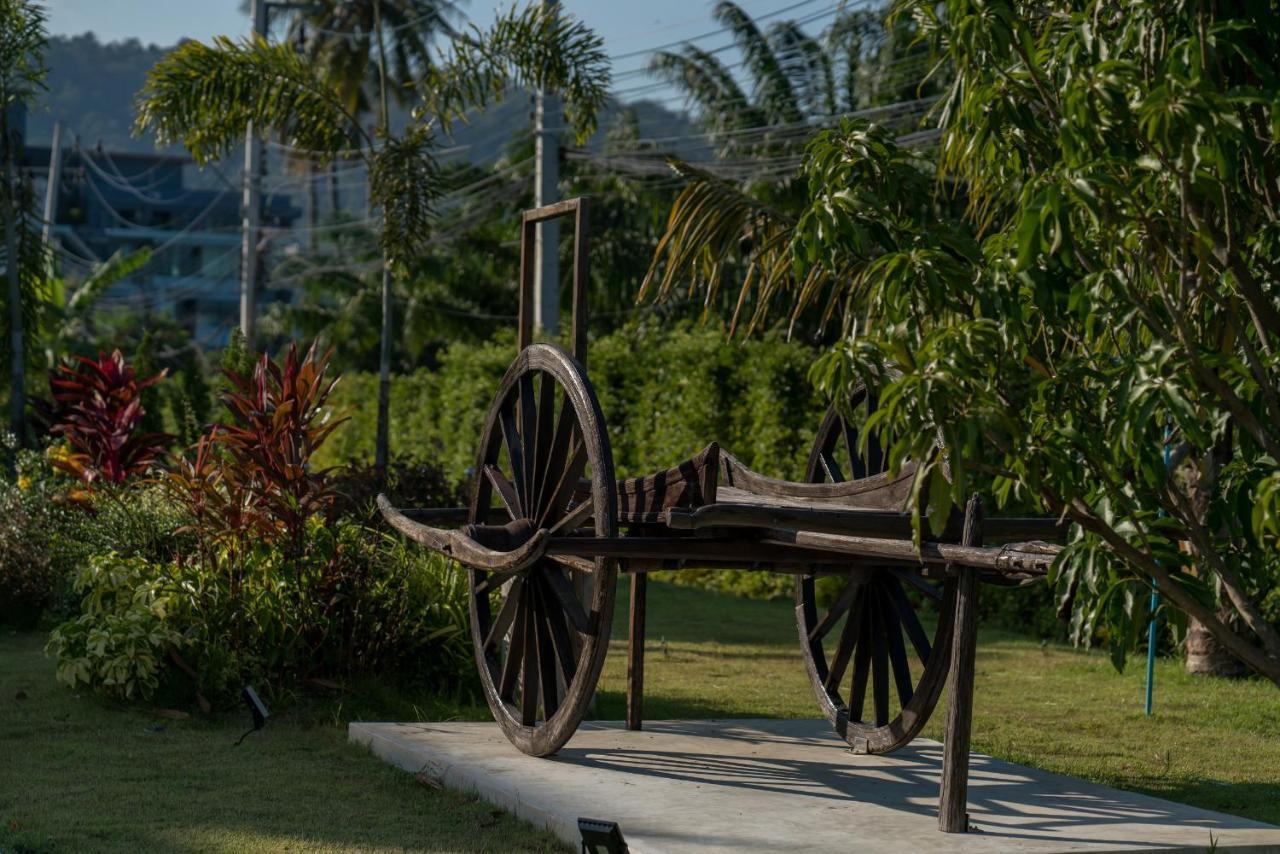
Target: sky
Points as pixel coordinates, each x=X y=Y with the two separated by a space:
x=627 y=26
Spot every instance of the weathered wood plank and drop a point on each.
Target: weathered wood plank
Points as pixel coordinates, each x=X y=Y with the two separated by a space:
x=953 y=816
x=635 y=651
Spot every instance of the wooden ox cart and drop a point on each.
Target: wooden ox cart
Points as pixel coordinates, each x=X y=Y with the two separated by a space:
x=549 y=528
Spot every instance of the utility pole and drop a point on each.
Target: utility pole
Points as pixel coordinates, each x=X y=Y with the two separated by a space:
x=382 y=443
x=51 y=189
x=17 y=353
x=251 y=214
x=548 y=121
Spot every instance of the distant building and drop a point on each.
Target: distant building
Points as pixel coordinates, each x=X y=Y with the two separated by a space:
x=189 y=218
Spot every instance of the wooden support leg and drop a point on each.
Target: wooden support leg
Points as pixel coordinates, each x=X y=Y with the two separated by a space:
x=953 y=815
x=635 y=651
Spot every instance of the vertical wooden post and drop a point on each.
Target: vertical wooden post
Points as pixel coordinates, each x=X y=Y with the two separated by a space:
x=525 y=331
x=953 y=815
x=581 y=247
x=635 y=651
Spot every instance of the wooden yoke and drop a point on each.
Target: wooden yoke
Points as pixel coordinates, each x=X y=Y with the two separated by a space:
x=579 y=207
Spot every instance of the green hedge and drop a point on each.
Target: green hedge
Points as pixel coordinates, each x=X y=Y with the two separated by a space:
x=665 y=394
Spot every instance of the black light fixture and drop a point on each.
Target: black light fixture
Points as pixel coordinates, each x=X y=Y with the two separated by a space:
x=601 y=837
x=257 y=709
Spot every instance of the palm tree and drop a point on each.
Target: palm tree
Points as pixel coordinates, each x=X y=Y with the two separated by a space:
x=342 y=37
x=22 y=73
x=795 y=80
x=205 y=96
x=723 y=226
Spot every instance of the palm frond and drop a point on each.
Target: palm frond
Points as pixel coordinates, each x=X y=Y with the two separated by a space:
x=31 y=257
x=773 y=90
x=848 y=40
x=404 y=180
x=804 y=61
x=535 y=47
x=118 y=267
x=22 y=41
x=711 y=223
x=206 y=96
x=709 y=86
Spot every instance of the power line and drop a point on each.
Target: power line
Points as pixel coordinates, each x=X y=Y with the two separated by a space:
x=711 y=33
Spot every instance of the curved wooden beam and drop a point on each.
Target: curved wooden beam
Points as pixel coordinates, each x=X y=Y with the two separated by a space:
x=464 y=549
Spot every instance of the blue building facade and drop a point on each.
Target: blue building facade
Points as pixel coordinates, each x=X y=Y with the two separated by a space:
x=189 y=218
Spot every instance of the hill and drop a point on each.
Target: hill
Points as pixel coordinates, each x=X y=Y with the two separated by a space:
x=92 y=86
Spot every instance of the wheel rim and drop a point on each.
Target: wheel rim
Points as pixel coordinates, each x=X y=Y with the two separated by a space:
x=540 y=637
x=876 y=670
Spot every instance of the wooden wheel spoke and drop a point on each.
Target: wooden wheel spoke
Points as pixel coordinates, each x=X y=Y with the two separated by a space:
x=562 y=643
x=515 y=447
x=879 y=669
x=897 y=649
x=552 y=466
x=506 y=614
x=861 y=668
x=515 y=653
x=848 y=640
x=573 y=467
x=575 y=518
x=494 y=580
x=564 y=594
x=923 y=586
x=829 y=619
x=573 y=563
x=546 y=656
x=831 y=467
x=528 y=424
x=506 y=491
x=857 y=466
x=910 y=622
x=529 y=667
x=542 y=442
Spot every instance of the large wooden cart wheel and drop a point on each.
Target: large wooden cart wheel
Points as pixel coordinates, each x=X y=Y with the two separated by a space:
x=875 y=668
x=541 y=635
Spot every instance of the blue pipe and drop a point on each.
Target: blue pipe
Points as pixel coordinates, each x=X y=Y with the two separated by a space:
x=1155 y=603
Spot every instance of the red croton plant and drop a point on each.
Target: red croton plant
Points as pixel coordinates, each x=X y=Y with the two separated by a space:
x=252 y=478
x=97 y=406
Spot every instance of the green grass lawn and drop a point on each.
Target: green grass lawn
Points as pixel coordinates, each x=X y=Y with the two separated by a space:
x=79 y=775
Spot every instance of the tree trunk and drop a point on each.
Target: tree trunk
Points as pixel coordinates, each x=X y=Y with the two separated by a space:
x=1207 y=657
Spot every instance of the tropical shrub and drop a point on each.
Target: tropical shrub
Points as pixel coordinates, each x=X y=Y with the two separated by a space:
x=97 y=408
x=125 y=630
x=265 y=582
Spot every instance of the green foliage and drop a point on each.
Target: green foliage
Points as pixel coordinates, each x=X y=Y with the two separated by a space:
x=537 y=47
x=205 y=96
x=665 y=393
x=240 y=568
x=404 y=178
x=1092 y=329
x=22 y=65
x=321 y=31
x=119 y=643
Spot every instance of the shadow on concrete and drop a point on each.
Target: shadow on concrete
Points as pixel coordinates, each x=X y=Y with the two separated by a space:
x=1004 y=800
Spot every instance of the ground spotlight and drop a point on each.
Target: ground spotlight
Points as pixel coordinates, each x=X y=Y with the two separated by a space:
x=601 y=837
x=257 y=709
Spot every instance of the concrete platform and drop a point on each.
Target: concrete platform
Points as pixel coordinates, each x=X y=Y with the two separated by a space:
x=769 y=785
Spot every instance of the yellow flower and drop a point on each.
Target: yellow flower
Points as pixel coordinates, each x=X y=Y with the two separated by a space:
x=24 y=482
